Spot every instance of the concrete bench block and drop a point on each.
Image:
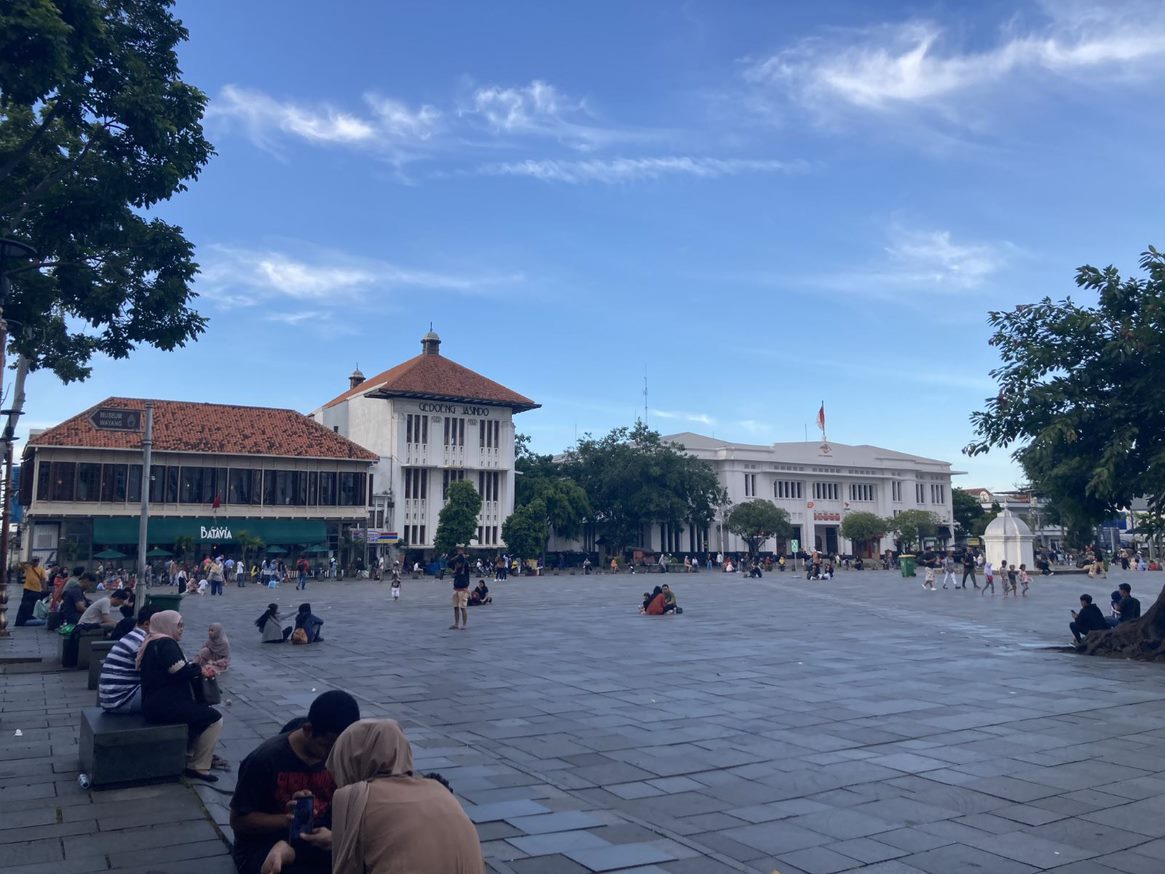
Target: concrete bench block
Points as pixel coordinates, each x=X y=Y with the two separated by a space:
x=118 y=749
x=97 y=652
x=85 y=647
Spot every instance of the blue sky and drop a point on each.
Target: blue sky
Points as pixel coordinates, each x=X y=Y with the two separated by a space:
x=759 y=205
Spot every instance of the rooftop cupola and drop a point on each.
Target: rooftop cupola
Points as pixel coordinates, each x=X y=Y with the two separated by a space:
x=431 y=343
x=355 y=379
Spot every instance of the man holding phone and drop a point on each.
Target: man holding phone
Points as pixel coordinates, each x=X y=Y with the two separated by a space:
x=284 y=791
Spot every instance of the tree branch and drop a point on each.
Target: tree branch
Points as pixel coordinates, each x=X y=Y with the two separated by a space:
x=22 y=153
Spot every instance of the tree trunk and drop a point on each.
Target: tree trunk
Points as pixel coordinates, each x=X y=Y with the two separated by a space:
x=1142 y=639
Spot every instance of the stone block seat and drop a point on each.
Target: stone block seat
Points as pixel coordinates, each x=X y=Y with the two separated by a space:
x=120 y=749
x=98 y=649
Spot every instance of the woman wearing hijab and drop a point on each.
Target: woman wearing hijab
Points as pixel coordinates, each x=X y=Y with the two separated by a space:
x=386 y=819
x=216 y=652
x=268 y=625
x=654 y=606
x=168 y=694
x=309 y=622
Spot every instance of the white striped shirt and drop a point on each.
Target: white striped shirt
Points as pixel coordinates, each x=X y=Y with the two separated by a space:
x=119 y=673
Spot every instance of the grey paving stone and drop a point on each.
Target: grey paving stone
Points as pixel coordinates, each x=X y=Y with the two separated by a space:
x=555 y=822
x=867 y=850
x=776 y=838
x=504 y=810
x=819 y=860
x=618 y=856
x=557 y=842
x=957 y=857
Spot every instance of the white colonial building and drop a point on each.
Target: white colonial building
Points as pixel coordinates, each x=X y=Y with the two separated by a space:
x=817 y=484
x=432 y=422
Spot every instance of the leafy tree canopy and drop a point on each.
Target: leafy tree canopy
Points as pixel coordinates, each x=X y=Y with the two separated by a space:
x=862 y=526
x=966 y=509
x=912 y=526
x=1082 y=394
x=632 y=478
x=457 y=522
x=757 y=521
x=525 y=530
x=96 y=127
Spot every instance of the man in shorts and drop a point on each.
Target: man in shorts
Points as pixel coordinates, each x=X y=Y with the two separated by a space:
x=460 y=592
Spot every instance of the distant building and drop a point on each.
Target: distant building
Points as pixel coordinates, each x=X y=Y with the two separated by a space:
x=1027 y=504
x=817 y=484
x=217 y=471
x=431 y=422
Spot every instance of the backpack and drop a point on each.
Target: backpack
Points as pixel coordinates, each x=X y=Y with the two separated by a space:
x=299 y=637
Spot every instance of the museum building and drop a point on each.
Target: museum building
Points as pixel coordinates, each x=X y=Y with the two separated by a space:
x=817 y=484
x=217 y=472
x=430 y=422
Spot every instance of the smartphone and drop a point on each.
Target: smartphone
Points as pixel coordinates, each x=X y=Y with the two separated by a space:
x=301 y=818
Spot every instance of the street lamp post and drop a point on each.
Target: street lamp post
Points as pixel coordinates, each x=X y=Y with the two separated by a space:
x=10 y=250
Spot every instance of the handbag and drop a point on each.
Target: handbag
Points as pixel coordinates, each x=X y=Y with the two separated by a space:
x=207 y=689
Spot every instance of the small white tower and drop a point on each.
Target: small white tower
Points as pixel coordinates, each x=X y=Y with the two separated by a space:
x=1008 y=540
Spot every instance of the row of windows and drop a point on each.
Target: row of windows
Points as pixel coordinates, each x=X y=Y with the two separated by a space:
x=417 y=429
x=454 y=431
x=416 y=483
x=182 y=484
x=861 y=492
x=919 y=493
x=792 y=489
x=489 y=484
x=938 y=494
x=750 y=485
x=487 y=535
x=488 y=433
x=826 y=491
x=896 y=490
x=414 y=535
x=787 y=488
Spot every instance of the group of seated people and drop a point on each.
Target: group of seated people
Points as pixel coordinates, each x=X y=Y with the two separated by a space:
x=818 y=570
x=659 y=601
x=1123 y=607
x=480 y=594
x=305 y=630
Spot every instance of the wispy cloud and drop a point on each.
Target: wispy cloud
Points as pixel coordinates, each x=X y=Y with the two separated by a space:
x=698 y=418
x=241 y=277
x=616 y=170
x=922 y=63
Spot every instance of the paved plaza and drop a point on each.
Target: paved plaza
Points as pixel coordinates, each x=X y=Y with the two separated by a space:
x=861 y=723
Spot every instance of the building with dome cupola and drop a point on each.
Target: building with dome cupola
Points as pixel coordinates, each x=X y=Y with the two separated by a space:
x=432 y=422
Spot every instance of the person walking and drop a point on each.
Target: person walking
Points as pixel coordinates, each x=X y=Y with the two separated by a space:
x=988 y=578
x=969 y=569
x=949 y=570
x=216 y=576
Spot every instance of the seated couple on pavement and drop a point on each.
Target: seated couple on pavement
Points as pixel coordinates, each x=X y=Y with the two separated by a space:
x=659 y=601
x=480 y=595
x=370 y=811
x=1125 y=607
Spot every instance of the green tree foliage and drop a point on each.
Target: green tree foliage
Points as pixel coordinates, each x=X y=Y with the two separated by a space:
x=457 y=522
x=633 y=478
x=863 y=527
x=912 y=526
x=96 y=128
x=249 y=543
x=525 y=530
x=967 y=510
x=1082 y=394
x=757 y=521
x=979 y=526
x=532 y=469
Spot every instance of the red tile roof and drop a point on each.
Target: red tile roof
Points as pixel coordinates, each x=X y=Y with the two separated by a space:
x=432 y=375
x=218 y=429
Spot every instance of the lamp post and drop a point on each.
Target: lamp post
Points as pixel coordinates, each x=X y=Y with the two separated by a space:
x=10 y=250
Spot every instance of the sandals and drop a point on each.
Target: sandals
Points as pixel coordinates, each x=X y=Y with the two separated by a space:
x=218 y=763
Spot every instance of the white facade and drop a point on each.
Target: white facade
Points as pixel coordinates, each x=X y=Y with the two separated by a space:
x=1008 y=540
x=817 y=484
x=423 y=446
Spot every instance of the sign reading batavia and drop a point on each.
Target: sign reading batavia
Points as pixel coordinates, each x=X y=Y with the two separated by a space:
x=114 y=419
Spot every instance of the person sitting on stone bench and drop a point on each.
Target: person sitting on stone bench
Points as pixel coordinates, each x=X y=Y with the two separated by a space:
x=119 y=687
x=1127 y=608
x=168 y=693
x=99 y=615
x=1088 y=619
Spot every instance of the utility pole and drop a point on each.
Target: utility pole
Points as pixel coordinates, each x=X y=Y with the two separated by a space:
x=144 y=522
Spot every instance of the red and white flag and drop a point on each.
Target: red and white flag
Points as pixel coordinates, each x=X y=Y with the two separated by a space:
x=821 y=417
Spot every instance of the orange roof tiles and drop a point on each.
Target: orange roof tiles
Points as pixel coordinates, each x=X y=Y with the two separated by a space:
x=219 y=429
x=431 y=375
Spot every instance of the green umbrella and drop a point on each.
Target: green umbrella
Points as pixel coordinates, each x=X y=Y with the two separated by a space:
x=315 y=550
x=158 y=552
x=276 y=550
x=109 y=553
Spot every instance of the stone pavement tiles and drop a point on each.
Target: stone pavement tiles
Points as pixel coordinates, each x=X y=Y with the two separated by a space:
x=858 y=724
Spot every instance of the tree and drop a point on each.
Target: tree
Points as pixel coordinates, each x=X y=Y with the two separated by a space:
x=96 y=128
x=979 y=526
x=912 y=526
x=757 y=521
x=967 y=509
x=525 y=530
x=632 y=478
x=457 y=522
x=248 y=542
x=864 y=527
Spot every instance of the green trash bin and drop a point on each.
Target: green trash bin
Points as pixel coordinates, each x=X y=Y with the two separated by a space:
x=168 y=601
x=906 y=562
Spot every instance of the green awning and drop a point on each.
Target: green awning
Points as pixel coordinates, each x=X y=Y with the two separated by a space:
x=165 y=530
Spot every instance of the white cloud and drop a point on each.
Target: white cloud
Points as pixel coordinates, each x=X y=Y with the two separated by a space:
x=699 y=418
x=933 y=258
x=921 y=63
x=240 y=277
x=617 y=170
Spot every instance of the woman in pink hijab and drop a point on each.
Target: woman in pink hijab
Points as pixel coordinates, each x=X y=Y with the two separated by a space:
x=216 y=652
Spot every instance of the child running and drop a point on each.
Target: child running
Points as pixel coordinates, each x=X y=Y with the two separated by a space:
x=928 y=581
x=988 y=578
x=1010 y=585
x=1024 y=578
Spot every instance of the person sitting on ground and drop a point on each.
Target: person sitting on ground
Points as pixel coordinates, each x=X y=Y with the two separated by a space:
x=168 y=693
x=119 y=686
x=1127 y=608
x=1088 y=619
x=99 y=614
x=309 y=622
x=655 y=603
x=859 y=564
x=669 y=600
x=291 y=764
x=480 y=595
x=269 y=626
x=216 y=652
x=386 y=818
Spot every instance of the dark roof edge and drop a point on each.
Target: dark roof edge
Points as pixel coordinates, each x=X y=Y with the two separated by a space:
x=387 y=394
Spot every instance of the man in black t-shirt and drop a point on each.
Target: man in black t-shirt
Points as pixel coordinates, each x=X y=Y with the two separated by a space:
x=284 y=768
x=460 y=592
